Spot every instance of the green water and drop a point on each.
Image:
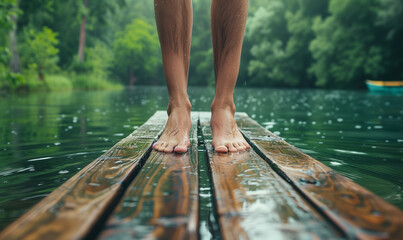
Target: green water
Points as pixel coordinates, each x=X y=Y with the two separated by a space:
x=48 y=137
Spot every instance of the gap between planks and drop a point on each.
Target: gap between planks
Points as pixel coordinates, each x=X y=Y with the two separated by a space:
x=83 y=202
x=253 y=202
x=359 y=213
x=162 y=201
x=312 y=190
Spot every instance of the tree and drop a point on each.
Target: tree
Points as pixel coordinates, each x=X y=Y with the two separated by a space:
x=7 y=11
x=66 y=18
x=93 y=16
x=100 y=57
x=267 y=33
x=8 y=22
x=15 y=65
x=40 y=51
x=279 y=34
x=8 y=46
x=136 y=51
x=345 y=50
x=81 y=45
x=390 y=20
x=299 y=26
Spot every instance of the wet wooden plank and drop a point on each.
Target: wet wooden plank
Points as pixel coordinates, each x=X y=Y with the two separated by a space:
x=358 y=212
x=162 y=201
x=72 y=210
x=253 y=202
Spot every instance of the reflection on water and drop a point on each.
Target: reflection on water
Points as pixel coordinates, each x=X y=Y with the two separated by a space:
x=47 y=138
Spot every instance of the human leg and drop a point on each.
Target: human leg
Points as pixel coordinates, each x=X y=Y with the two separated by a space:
x=174 y=24
x=228 y=20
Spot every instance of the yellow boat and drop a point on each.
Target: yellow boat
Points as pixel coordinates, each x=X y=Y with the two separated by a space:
x=385 y=86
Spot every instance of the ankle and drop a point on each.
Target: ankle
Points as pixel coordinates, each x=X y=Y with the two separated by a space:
x=223 y=105
x=179 y=104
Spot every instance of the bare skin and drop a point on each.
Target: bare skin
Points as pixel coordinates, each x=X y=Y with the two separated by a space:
x=175 y=137
x=174 y=23
x=228 y=20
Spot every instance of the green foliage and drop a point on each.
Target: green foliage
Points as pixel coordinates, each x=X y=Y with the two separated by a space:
x=201 y=68
x=4 y=55
x=101 y=57
x=391 y=15
x=267 y=32
x=9 y=80
x=298 y=56
x=81 y=67
x=92 y=82
x=345 y=49
x=58 y=83
x=390 y=21
x=65 y=82
x=7 y=10
x=65 y=18
x=136 y=50
x=333 y=44
x=288 y=43
x=279 y=34
x=40 y=52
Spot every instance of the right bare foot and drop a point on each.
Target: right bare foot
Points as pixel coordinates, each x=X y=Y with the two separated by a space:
x=175 y=137
x=226 y=135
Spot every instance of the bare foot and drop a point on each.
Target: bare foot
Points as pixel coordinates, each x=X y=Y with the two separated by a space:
x=226 y=135
x=175 y=137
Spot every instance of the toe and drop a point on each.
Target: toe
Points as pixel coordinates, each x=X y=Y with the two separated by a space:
x=222 y=149
x=240 y=146
x=246 y=145
x=169 y=148
x=162 y=147
x=157 y=145
x=180 y=149
x=231 y=147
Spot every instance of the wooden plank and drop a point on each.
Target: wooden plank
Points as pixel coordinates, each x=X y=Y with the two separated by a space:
x=252 y=201
x=358 y=212
x=73 y=209
x=162 y=201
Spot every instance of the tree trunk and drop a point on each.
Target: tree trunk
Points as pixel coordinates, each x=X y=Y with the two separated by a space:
x=81 y=45
x=132 y=78
x=15 y=64
x=40 y=74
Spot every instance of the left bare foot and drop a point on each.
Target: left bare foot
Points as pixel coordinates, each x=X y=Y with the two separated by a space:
x=175 y=137
x=226 y=135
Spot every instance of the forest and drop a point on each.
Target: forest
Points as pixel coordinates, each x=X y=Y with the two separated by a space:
x=105 y=44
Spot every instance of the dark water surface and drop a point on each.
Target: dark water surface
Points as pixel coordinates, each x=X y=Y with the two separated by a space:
x=48 y=137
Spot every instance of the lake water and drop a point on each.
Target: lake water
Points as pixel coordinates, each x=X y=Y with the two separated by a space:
x=48 y=137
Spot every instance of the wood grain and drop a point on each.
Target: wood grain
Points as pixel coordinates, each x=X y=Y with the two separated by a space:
x=253 y=202
x=251 y=198
x=72 y=210
x=358 y=212
x=162 y=201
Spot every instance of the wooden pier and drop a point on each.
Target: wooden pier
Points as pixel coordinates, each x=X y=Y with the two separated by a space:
x=272 y=191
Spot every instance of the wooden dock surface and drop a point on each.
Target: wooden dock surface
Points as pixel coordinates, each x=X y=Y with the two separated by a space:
x=74 y=209
x=358 y=212
x=252 y=200
x=162 y=201
x=272 y=191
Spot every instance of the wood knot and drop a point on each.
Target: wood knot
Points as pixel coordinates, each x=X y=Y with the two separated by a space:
x=308 y=181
